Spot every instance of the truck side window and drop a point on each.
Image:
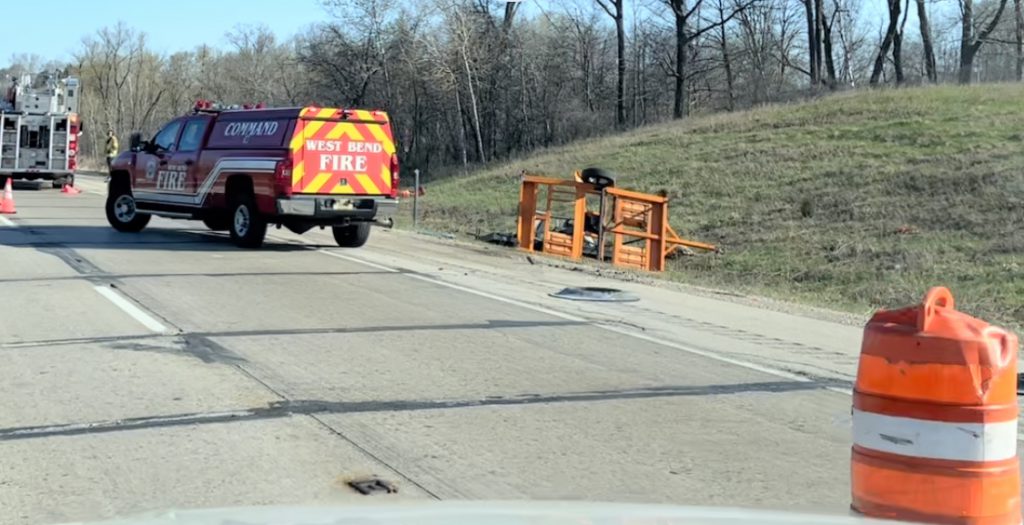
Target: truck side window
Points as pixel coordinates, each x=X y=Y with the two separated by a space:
x=192 y=137
x=166 y=137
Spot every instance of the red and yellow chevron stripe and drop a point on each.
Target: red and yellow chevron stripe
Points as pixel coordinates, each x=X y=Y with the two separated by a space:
x=342 y=127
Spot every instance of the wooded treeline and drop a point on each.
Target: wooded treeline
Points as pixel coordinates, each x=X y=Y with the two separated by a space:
x=470 y=81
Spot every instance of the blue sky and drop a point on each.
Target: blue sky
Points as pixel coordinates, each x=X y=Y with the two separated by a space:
x=175 y=25
x=172 y=25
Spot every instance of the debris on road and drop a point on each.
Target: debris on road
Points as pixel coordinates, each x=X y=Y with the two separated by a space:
x=372 y=486
x=554 y=218
x=588 y=293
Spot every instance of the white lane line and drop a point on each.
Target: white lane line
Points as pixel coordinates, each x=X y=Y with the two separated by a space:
x=360 y=261
x=569 y=317
x=130 y=309
x=621 y=331
x=4 y=221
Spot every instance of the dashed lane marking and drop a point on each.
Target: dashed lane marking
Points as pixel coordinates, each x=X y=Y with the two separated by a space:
x=129 y=308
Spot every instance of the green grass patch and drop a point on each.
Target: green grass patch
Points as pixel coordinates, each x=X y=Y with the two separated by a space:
x=854 y=202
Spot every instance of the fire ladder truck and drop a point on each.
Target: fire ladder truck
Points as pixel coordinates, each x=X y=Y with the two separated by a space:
x=39 y=130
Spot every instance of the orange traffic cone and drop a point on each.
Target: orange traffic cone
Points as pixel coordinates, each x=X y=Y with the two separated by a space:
x=7 y=203
x=69 y=189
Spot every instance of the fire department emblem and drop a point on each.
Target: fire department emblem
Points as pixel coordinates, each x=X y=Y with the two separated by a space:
x=151 y=170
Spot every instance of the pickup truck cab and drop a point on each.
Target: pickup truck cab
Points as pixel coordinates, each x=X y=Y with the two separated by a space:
x=241 y=170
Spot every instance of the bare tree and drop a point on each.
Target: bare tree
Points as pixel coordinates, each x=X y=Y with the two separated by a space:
x=825 y=24
x=1018 y=34
x=897 y=47
x=464 y=41
x=887 y=41
x=616 y=9
x=813 y=43
x=688 y=28
x=723 y=45
x=971 y=42
x=926 y=41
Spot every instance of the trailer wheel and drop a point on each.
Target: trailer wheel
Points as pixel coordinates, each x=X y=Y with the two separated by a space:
x=600 y=178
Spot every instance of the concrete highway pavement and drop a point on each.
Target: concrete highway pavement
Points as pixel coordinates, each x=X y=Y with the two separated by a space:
x=169 y=369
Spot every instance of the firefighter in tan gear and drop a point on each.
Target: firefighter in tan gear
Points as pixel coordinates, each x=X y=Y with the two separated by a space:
x=112 y=147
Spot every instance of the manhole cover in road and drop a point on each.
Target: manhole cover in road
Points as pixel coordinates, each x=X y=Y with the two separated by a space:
x=587 y=293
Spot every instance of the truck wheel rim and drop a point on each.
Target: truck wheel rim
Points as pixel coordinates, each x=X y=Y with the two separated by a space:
x=124 y=208
x=242 y=220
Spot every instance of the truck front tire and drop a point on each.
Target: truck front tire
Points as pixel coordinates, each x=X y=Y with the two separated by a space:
x=248 y=228
x=352 y=235
x=122 y=212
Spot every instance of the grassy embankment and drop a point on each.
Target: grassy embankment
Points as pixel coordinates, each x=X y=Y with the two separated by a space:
x=850 y=202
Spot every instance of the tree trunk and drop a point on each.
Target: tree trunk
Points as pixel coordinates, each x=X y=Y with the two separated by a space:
x=726 y=61
x=620 y=50
x=462 y=127
x=887 y=42
x=926 y=42
x=966 y=39
x=812 y=56
x=826 y=37
x=971 y=43
x=616 y=9
x=819 y=22
x=897 y=45
x=897 y=57
x=680 y=106
x=1018 y=17
x=473 y=107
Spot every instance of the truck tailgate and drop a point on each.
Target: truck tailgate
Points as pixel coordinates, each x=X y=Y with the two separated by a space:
x=342 y=152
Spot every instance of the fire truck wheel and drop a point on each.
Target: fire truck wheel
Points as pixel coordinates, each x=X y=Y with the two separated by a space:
x=122 y=213
x=248 y=227
x=59 y=183
x=352 y=235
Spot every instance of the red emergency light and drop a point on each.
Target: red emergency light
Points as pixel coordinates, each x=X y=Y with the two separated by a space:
x=73 y=144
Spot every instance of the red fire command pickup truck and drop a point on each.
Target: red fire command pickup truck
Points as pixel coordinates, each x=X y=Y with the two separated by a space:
x=241 y=170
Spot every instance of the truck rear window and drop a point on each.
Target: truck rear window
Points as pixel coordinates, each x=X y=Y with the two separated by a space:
x=246 y=134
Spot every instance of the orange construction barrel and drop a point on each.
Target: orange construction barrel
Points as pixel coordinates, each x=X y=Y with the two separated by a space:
x=935 y=418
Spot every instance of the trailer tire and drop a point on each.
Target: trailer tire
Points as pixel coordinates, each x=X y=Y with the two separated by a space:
x=352 y=235
x=600 y=178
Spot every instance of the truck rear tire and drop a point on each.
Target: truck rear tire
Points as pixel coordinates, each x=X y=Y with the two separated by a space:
x=352 y=235
x=122 y=212
x=248 y=227
x=59 y=183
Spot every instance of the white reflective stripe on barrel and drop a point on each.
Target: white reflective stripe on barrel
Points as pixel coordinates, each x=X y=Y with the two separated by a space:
x=935 y=439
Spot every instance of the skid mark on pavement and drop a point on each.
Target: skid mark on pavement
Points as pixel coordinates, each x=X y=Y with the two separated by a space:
x=288 y=408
